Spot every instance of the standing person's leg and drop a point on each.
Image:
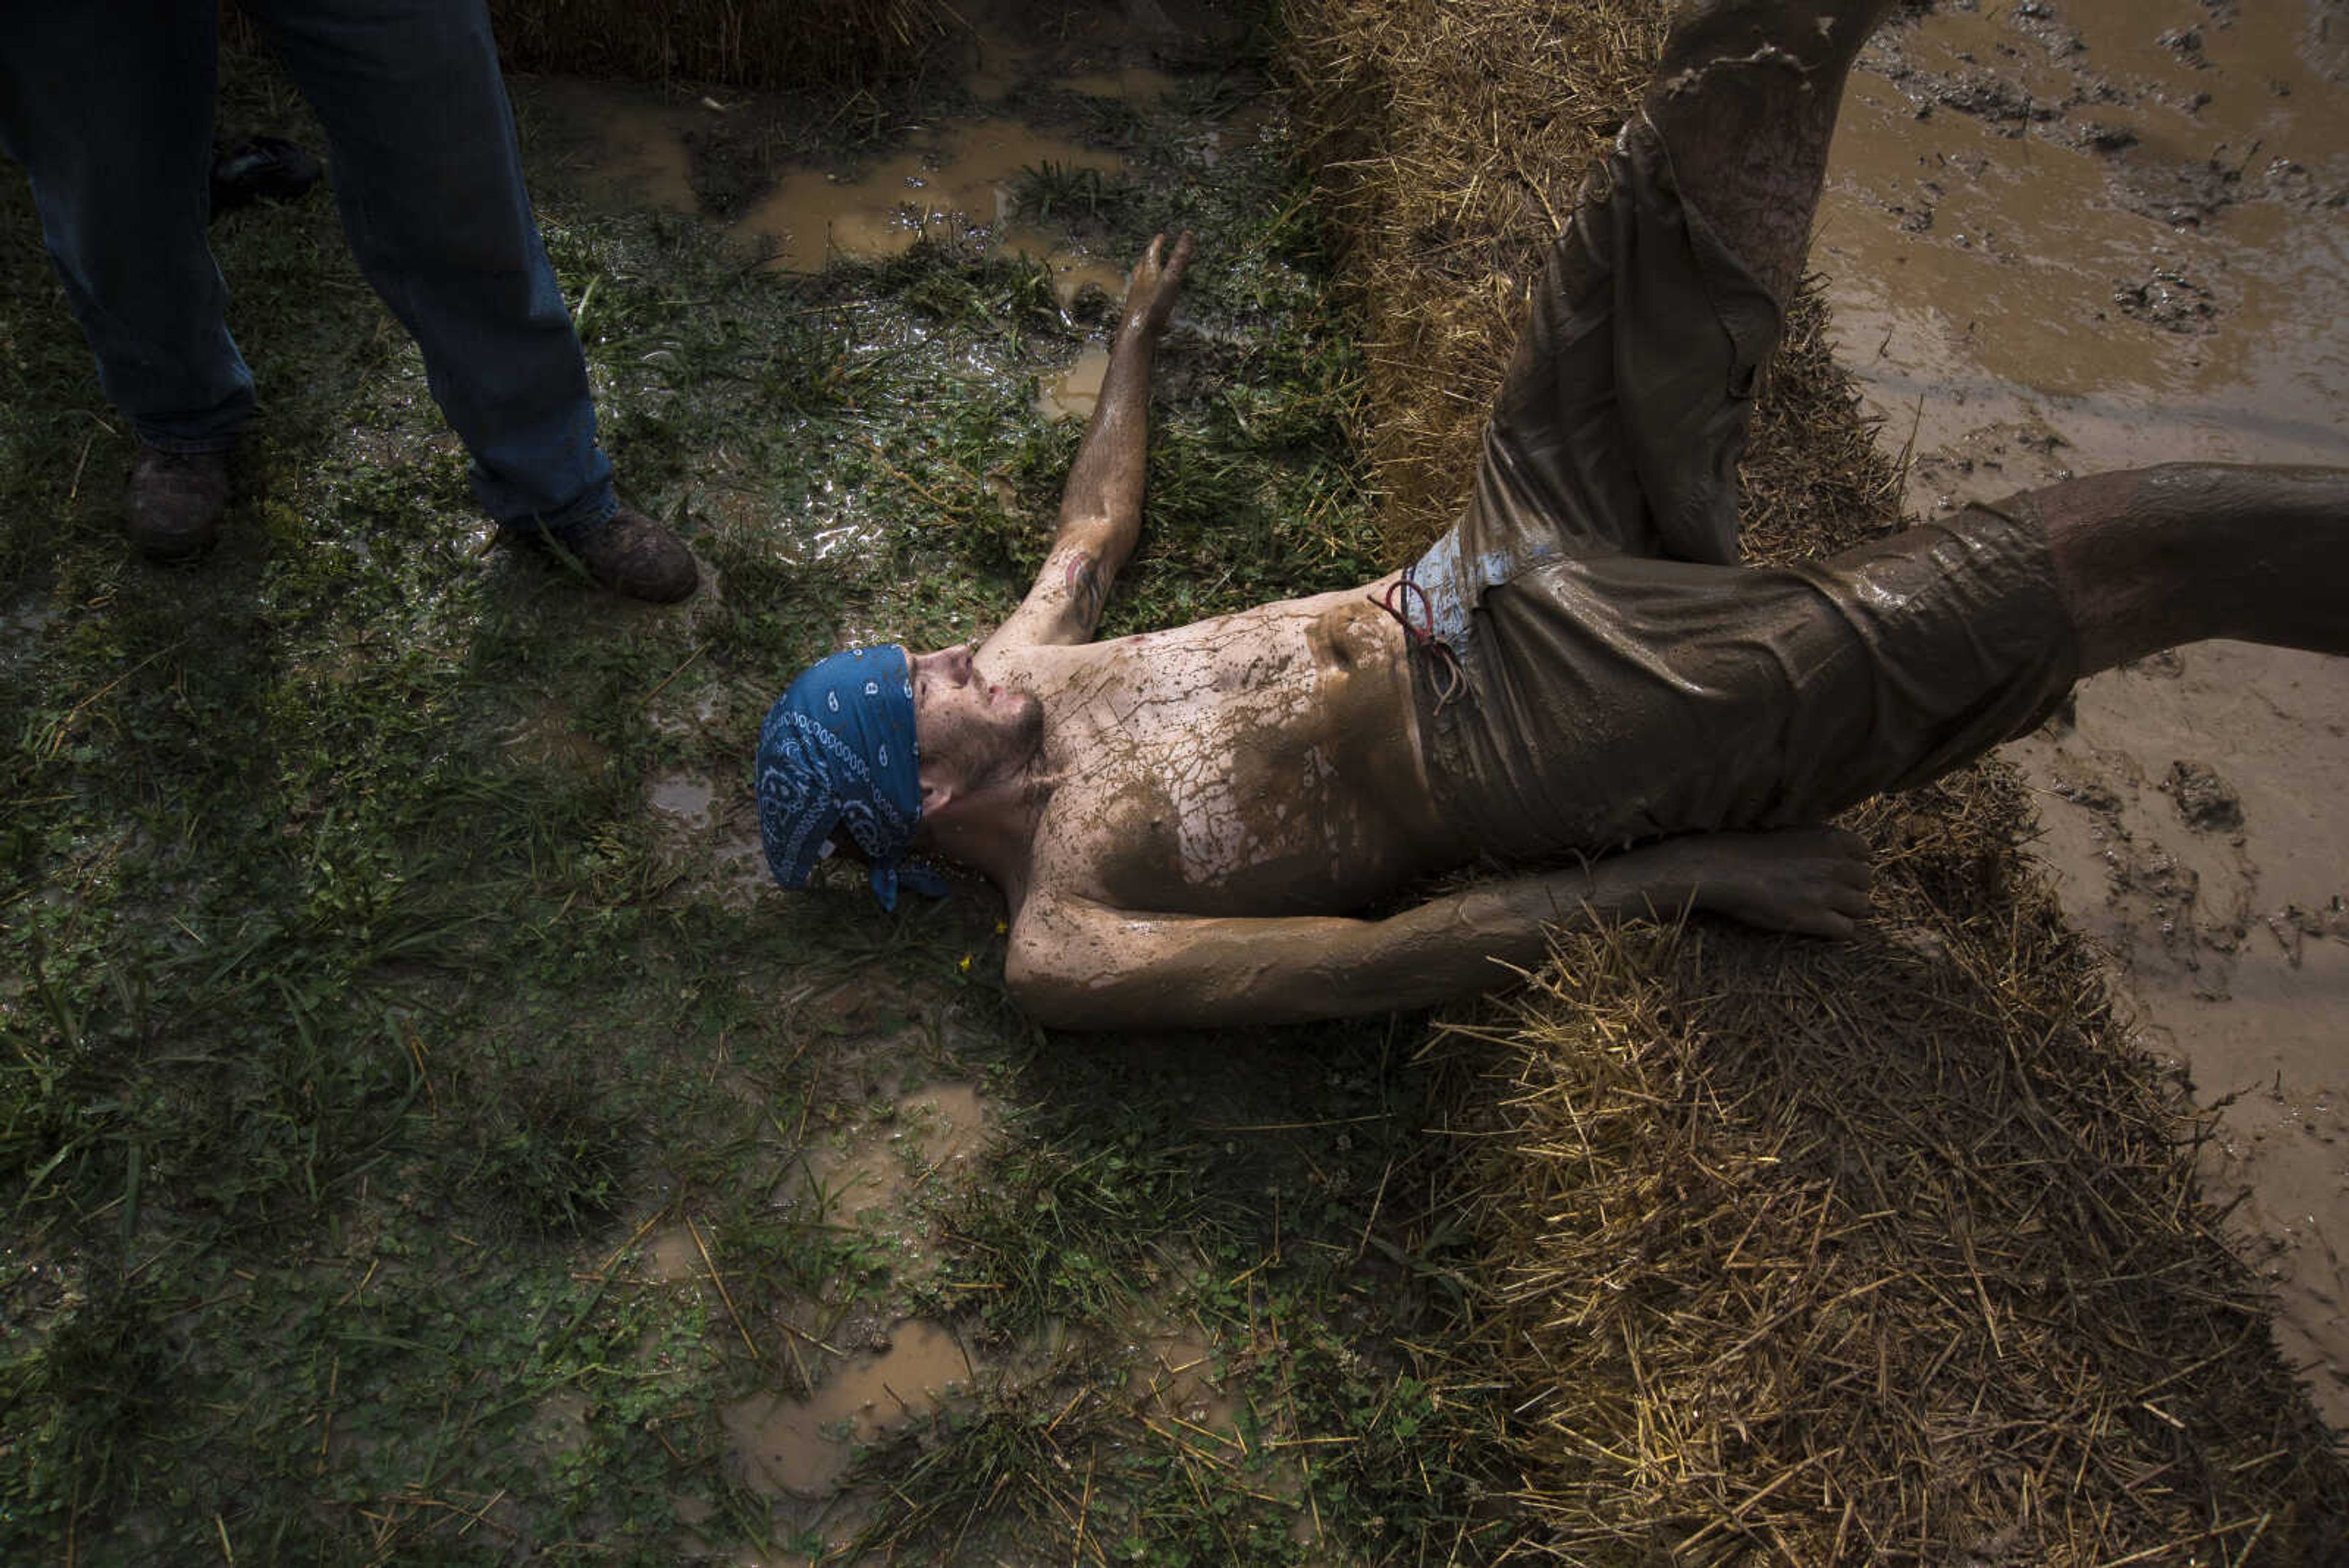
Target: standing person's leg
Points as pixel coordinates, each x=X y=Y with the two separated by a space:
x=427 y=176
x=109 y=107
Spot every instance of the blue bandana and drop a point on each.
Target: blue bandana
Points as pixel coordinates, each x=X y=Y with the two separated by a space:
x=838 y=747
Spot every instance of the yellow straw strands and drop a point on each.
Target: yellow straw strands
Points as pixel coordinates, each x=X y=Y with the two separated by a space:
x=1792 y=1252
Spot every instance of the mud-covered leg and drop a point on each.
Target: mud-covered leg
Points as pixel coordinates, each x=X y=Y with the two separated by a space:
x=1621 y=423
x=1744 y=98
x=2149 y=559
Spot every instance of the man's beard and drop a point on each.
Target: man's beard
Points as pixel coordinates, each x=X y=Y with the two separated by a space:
x=998 y=750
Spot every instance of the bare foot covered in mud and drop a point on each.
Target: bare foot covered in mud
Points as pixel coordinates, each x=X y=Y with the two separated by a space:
x=1809 y=880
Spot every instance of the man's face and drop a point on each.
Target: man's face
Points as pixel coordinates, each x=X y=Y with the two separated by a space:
x=964 y=721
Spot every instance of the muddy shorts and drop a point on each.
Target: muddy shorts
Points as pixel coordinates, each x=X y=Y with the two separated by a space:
x=1592 y=667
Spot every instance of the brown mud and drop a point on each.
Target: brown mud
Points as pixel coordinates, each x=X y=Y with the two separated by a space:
x=797 y=1447
x=855 y=1375
x=2056 y=244
x=1027 y=88
x=958 y=174
x=2068 y=236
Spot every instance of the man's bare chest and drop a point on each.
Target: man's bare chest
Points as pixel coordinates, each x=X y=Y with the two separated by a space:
x=1221 y=776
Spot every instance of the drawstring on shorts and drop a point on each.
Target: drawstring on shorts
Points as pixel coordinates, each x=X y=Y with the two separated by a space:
x=1402 y=598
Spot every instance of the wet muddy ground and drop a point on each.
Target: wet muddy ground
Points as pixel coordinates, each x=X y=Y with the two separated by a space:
x=522 y=1171
x=756 y=1133
x=1016 y=165
x=2058 y=240
x=2068 y=236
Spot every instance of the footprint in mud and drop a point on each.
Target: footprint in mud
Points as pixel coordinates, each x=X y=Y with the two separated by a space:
x=683 y=800
x=2205 y=800
x=2170 y=299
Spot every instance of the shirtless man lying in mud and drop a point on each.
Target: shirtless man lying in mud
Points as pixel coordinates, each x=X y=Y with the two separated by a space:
x=1578 y=681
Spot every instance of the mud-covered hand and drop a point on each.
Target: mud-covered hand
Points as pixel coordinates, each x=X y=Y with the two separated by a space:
x=1154 y=282
x=1811 y=880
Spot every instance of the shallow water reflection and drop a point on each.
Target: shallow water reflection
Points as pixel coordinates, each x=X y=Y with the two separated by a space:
x=957 y=174
x=800 y=1448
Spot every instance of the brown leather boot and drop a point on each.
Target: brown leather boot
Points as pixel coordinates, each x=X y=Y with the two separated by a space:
x=633 y=556
x=173 y=510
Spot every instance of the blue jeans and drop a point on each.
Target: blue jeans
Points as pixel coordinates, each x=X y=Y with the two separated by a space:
x=109 y=105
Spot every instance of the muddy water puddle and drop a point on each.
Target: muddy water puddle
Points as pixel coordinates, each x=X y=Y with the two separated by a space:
x=2061 y=214
x=683 y=798
x=673 y=1256
x=801 y=1448
x=2086 y=234
x=958 y=174
x=709 y=832
x=1073 y=393
x=927 y=1135
x=867 y=1382
x=1182 y=1385
x=799 y=1452
x=635 y=154
x=548 y=739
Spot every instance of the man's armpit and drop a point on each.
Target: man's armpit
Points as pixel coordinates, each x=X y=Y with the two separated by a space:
x=1081 y=578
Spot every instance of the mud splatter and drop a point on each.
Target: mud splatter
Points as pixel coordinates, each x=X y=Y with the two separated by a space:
x=2070 y=235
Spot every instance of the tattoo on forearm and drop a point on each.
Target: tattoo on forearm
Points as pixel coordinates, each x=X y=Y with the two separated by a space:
x=1081 y=578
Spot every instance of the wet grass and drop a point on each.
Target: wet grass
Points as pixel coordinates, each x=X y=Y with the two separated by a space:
x=360 y=1021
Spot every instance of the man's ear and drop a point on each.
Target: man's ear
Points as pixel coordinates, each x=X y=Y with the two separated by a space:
x=938 y=790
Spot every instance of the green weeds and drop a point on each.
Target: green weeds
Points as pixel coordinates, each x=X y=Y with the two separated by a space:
x=1046 y=190
x=365 y=1029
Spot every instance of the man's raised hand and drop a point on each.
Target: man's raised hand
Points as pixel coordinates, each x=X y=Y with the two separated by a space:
x=1154 y=282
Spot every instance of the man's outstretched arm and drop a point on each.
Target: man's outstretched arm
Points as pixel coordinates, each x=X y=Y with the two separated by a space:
x=1078 y=964
x=1101 y=507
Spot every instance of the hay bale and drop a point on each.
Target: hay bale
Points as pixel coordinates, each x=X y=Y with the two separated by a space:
x=843 y=44
x=838 y=46
x=1884 y=1250
x=1794 y=1252
x=1447 y=141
